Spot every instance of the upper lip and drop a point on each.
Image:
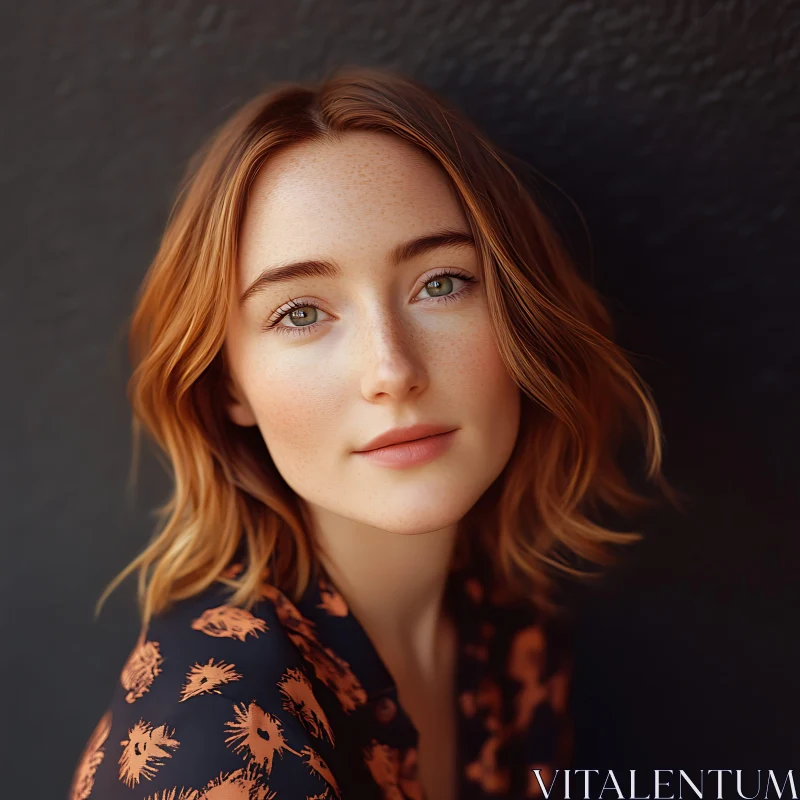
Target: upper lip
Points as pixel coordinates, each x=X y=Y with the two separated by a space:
x=409 y=434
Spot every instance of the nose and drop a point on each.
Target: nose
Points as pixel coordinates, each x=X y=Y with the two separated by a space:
x=394 y=366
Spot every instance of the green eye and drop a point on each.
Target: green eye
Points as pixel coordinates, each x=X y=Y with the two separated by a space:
x=438 y=286
x=305 y=316
x=302 y=315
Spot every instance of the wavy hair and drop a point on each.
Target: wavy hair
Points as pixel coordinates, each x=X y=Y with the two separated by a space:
x=581 y=397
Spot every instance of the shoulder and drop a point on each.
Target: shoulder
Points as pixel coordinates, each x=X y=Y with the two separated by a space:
x=209 y=628
x=203 y=701
x=204 y=644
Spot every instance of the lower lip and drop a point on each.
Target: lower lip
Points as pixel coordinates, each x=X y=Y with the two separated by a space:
x=410 y=454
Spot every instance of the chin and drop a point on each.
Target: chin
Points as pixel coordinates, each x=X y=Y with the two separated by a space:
x=414 y=519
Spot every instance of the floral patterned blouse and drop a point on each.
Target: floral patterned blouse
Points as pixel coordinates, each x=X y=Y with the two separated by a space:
x=292 y=702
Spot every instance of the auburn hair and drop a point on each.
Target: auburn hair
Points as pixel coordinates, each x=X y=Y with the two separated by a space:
x=582 y=399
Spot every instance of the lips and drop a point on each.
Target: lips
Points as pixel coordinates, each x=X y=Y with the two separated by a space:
x=408 y=434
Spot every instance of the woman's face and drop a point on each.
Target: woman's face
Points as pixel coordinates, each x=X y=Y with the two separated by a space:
x=374 y=346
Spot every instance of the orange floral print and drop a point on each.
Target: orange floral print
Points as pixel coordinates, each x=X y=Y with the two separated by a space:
x=141 y=668
x=382 y=763
x=90 y=760
x=526 y=661
x=243 y=784
x=397 y=780
x=485 y=770
x=527 y=654
x=409 y=774
x=143 y=752
x=175 y=794
x=207 y=678
x=316 y=765
x=259 y=733
x=480 y=650
x=229 y=622
x=468 y=703
x=299 y=700
x=489 y=698
x=502 y=701
x=332 y=600
x=474 y=590
x=330 y=668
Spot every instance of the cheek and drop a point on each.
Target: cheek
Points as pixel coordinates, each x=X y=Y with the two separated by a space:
x=484 y=394
x=474 y=370
x=294 y=406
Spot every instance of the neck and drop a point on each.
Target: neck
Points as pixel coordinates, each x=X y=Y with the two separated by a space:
x=393 y=584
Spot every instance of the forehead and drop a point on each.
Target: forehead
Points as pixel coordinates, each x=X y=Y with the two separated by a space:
x=363 y=192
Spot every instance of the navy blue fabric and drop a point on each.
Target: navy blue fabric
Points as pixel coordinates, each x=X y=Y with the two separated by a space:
x=290 y=701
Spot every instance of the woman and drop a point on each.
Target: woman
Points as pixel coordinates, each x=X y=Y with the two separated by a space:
x=391 y=407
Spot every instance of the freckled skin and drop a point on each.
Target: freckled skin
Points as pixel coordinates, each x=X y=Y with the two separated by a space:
x=384 y=353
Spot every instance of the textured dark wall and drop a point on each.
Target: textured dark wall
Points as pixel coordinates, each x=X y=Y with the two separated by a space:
x=674 y=127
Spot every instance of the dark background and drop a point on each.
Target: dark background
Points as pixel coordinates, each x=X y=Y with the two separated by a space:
x=673 y=126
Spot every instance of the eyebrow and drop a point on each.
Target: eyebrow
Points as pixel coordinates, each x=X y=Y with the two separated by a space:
x=316 y=268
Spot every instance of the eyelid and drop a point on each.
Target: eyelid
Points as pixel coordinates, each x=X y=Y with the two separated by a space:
x=297 y=302
x=440 y=272
x=277 y=317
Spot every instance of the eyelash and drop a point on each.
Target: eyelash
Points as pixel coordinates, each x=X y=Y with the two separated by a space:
x=301 y=330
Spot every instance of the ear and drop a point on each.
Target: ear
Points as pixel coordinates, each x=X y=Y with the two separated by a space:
x=236 y=405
